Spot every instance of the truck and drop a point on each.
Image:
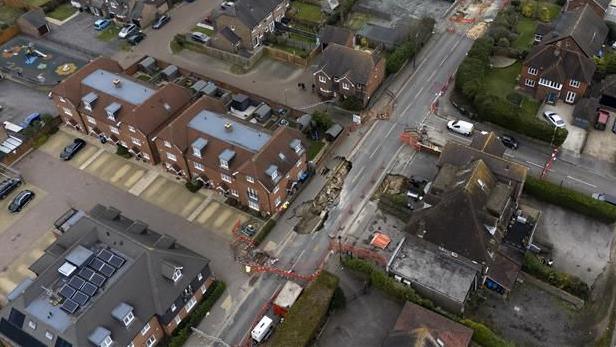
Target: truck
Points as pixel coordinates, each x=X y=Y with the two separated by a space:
x=286 y=298
x=262 y=330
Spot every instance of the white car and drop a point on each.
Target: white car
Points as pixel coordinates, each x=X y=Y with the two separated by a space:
x=199 y=37
x=461 y=127
x=554 y=118
x=127 y=30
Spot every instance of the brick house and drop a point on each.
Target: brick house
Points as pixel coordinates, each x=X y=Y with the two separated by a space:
x=598 y=6
x=346 y=72
x=242 y=25
x=560 y=66
x=257 y=168
x=108 y=280
x=101 y=101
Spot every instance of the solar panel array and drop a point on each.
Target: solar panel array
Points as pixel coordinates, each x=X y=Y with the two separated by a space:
x=81 y=287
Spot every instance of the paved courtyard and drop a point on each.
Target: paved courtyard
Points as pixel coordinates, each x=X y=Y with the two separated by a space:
x=12 y=97
x=577 y=136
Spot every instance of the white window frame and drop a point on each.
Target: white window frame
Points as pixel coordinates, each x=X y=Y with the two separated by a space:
x=196 y=152
x=345 y=86
x=234 y=192
x=135 y=141
x=225 y=178
x=129 y=318
x=322 y=79
x=171 y=156
x=48 y=335
x=67 y=111
x=151 y=341
x=252 y=193
x=145 y=329
x=532 y=71
x=190 y=304
x=107 y=342
x=62 y=99
x=173 y=308
x=570 y=97
x=131 y=129
x=198 y=166
x=203 y=289
x=274 y=175
x=87 y=107
x=167 y=144
x=178 y=320
x=224 y=164
x=177 y=274
x=547 y=83
x=275 y=190
x=32 y=325
x=574 y=83
x=250 y=179
x=146 y=156
x=277 y=202
x=253 y=205
x=91 y=120
x=529 y=83
x=199 y=277
x=114 y=130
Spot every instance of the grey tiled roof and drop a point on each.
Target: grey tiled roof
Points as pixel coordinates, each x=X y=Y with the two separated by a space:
x=560 y=65
x=338 y=61
x=249 y=12
x=230 y=35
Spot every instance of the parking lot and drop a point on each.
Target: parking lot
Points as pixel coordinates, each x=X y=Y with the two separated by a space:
x=79 y=34
x=12 y=97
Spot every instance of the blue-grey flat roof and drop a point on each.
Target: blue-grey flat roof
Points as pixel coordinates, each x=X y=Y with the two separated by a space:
x=242 y=135
x=128 y=90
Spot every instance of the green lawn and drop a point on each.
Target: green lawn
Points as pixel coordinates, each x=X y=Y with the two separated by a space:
x=110 y=33
x=37 y=3
x=526 y=33
x=307 y=12
x=9 y=15
x=299 y=52
x=356 y=20
x=62 y=12
x=206 y=31
x=313 y=149
x=501 y=82
x=300 y=38
x=553 y=8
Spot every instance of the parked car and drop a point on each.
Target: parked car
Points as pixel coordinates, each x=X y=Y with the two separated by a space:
x=7 y=186
x=135 y=38
x=128 y=30
x=554 y=119
x=102 y=24
x=21 y=200
x=248 y=230
x=603 y=117
x=199 y=37
x=30 y=119
x=161 y=21
x=461 y=127
x=509 y=141
x=610 y=199
x=418 y=187
x=69 y=151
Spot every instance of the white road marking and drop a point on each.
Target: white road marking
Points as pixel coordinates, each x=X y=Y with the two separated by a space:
x=534 y=164
x=297 y=260
x=91 y=159
x=359 y=173
x=432 y=75
x=373 y=153
x=360 y=143
x=393 y=126
x=580 y=181
x=443 y=61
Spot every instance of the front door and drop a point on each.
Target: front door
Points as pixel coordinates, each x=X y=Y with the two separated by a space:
x=570 y=97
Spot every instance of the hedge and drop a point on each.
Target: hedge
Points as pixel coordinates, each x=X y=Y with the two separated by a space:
x=193 y=186
x=183 y=331
x=484 y=336
x=570 y=199
x=306 y=316
x=569 y=283
x=396 y=205
x=123 y=152
x=409 y=48
x=265 y=230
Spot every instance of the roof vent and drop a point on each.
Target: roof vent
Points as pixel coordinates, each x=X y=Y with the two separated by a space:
x=440 y=342
x=228 y=127
x=167 y=107
x=117 y=82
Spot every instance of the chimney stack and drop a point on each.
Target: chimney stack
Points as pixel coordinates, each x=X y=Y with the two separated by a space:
x=116 y=83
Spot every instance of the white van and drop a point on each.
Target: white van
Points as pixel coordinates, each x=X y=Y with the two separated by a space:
x=461 y=127
x=262 y=330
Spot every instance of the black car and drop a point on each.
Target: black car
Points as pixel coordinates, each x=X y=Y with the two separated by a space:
x=509 y=141
x=7 y=186
x=21 y=200
x=135 y=38
x=160 y=22
x=69 y=151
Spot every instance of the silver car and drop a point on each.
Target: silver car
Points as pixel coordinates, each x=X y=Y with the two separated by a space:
x=554 y=119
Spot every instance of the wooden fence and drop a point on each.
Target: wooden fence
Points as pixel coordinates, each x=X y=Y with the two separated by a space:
x=8 y=33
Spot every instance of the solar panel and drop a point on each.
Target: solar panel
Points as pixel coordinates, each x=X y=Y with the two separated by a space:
x=107 y=270
x=66 y=291
x=105 y=255
x=96 y=264
x=89 y=289
x=69 y=306
x=116 y=261
x=86 y=273
x=76 y=282
x=98 y=280
x=80 y=298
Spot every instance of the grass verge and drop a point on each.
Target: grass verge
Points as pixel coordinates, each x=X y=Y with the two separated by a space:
x=62 y=12
x=307 y=12
x=206 y=31
x=313 y=149
x=109 y=34
x=265 y=230
x=526 y=33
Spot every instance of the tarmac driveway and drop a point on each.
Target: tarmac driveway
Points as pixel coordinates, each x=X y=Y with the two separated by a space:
x=79 y=34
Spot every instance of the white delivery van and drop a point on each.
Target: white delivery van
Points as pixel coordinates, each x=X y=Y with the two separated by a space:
x=262 y=330
x=461 y=127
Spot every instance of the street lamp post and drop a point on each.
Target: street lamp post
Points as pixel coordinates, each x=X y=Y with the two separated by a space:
x=340 y=248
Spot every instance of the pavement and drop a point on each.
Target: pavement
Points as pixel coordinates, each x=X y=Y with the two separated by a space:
x=269 y=78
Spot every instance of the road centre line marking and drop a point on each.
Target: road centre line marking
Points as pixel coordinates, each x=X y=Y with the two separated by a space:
x=359 y=174
x=531 y=163
x=580 y=181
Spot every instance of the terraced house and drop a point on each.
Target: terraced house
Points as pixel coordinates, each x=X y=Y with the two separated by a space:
x=258 y=168
x=107 y=281
x=101 y=101
x=560 y=66
x=242 y=25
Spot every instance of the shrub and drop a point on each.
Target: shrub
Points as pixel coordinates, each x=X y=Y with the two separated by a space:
x=40 y=140
x=306 y=316
x=123 y=152
x=570 y=199
x=338 y=300
x=265 y=230
x=484 y=336
x=194 y=185
x=561 y=280
x=352 y=103
x=322 y=120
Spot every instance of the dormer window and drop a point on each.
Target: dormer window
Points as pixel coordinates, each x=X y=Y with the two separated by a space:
x=129 y=318
x=198 y=146
x=224 y=164
x=296 y=145
x=107 y=342
x=322 y=79
x=101 y=337
x=112 y=111
x=88 y=101
x=124 y=313
x=225 y=158
x=272 y=172
x=177 y=274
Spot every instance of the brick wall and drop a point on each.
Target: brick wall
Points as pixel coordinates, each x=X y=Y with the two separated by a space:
x=183 y=312
x=155 y=330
